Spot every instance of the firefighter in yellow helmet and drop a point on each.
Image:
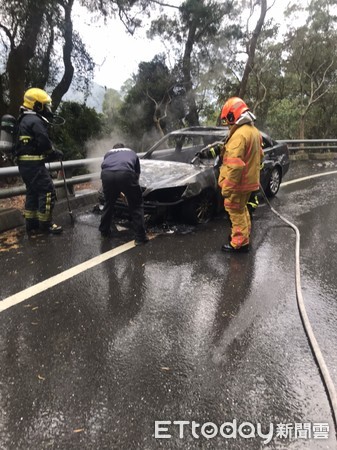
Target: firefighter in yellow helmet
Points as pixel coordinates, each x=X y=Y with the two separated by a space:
x=240 y=170
x=33 y=149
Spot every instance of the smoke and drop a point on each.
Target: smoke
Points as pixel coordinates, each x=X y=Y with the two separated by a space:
x=97 y=148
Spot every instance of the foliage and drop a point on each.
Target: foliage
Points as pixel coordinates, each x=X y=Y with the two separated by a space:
x=81 y=125
x=310 y=62
x=282 y=120
x=111 y=105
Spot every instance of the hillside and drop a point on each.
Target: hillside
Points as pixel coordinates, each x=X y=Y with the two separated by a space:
x=95 y=99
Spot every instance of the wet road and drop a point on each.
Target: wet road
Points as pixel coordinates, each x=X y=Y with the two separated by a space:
x=172 y=331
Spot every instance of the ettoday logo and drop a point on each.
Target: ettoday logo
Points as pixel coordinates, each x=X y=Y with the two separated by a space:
x=167 y=429
x=210 y=430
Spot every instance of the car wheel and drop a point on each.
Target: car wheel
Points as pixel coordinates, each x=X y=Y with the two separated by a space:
x=199 y=209
x=274 y=182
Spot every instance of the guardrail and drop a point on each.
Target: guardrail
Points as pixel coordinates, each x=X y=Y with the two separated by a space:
x=311 y=145
x=296 y=146
x=92 y=163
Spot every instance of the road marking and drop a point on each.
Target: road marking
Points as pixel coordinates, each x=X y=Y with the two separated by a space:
x=63 y=276
x=298 y=180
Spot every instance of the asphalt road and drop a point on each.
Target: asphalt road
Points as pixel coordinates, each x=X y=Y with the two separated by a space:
x=104 y=345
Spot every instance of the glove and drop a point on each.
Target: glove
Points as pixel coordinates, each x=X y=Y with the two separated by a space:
x=54 y=155
x=58 y=154
x=210 y=152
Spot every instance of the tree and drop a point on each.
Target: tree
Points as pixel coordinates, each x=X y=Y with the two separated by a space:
x=251 y=45
x=310 y=65
x=21 y=27
x=111 y=104
x=32 y=33
x=251 y=56
x=266 y=84
x=152 y=105
x=194 y=34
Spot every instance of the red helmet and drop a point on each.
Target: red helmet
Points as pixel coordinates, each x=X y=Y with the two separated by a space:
x=233 y=109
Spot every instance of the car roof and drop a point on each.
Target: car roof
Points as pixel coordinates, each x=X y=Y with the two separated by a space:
x=201 y=131
x=190 y=131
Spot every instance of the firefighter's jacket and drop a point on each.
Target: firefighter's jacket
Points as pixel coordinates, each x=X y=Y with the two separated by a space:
x=33 y=146
x=240 y=170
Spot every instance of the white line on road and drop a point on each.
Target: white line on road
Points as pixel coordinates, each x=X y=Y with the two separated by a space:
x=63 y=276
x=298 y=180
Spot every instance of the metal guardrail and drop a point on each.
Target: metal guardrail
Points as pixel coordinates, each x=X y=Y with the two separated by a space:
x=295 y=146
x=13 y=172
x=311 y=145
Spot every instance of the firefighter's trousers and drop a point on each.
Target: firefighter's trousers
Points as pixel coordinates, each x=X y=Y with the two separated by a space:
x=40 y=196
x=236 y=207
x=115 y=182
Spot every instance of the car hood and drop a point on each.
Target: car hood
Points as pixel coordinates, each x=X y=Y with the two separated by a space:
x=157 y=174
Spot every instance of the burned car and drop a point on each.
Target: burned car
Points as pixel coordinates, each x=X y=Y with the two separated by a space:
x=177 y=184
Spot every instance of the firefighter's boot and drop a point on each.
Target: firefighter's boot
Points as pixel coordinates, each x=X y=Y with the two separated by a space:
x=52 y=228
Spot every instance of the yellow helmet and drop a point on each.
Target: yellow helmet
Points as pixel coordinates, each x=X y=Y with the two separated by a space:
x=37 y=100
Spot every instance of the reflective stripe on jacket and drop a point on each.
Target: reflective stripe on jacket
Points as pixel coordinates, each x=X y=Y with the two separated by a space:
x=31 y=158
x=240 y=170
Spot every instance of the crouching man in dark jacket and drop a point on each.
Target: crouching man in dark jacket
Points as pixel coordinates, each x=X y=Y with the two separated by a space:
x=120 y=174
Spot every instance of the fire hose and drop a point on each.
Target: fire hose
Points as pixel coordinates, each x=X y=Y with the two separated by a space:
x=324 y=371
x=332 y=396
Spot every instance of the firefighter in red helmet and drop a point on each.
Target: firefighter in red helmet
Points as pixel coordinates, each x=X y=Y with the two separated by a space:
x=240 y=170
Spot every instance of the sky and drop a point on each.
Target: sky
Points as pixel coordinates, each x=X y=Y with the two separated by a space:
x=117 y=54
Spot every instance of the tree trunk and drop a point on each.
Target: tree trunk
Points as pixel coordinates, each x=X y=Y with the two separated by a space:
x=192 y=116
x=241 y=92
x=45 y=63
x=302 y=126
x=20 y=56
x=62 y=88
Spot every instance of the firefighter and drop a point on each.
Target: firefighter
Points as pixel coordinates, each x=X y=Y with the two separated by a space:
x=33 y=149
x=120 y=174
x=240 y=170
x=212 y=151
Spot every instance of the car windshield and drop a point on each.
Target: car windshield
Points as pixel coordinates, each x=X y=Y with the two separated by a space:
x=182 y=140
